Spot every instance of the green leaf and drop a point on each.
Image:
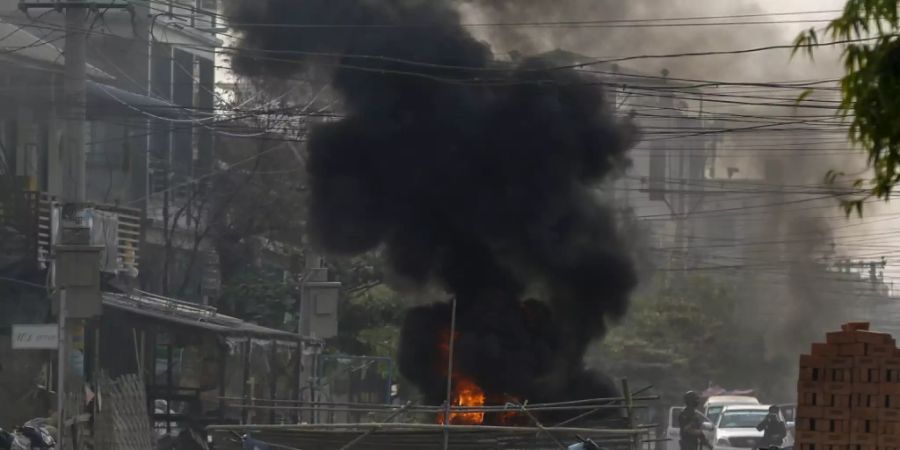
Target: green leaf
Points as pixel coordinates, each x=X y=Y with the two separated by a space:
x=870 y=87
x=803 y=95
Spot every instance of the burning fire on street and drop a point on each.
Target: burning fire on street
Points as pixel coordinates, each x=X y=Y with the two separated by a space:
x=465 y=392
x=423 y=171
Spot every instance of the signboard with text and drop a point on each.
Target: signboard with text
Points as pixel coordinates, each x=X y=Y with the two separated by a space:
x=35 y=337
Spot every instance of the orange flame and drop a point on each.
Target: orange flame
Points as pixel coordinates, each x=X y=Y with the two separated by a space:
x=465 y=393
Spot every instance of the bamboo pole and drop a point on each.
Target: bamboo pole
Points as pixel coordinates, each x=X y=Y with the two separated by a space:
x=604 y=400
x=422 y=426
x=413 y=440
x=538 y=423
x=373 y=429
x=455 y=409
x=449 y=399
x=592 y=411
x=629 y=410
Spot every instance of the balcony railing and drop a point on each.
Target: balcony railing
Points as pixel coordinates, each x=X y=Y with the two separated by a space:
x=20 y=212
x=36 y=216
x=199 y=14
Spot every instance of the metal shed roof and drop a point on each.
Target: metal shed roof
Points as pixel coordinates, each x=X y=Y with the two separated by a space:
x=189 y=314
x=109 y=100
x=18 y=43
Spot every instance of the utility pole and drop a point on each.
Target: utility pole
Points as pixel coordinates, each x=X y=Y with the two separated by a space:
x=317 y=316
x=75 y=109
x=61 y=369
x=75 y=271
x=74 y=89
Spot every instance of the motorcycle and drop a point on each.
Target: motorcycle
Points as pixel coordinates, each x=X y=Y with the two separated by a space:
x=35 y=434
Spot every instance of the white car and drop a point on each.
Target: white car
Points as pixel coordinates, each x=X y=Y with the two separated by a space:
x=714 y=404
x=712 y=407
x=736 y=427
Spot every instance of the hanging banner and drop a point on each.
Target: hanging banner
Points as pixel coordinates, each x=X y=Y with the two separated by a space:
x=35 y=337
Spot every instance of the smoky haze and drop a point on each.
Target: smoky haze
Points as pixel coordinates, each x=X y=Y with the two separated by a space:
x=471 y=174
x=589 y=27
x=793 y=300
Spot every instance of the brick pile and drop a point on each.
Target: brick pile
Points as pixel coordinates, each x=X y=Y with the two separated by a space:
x=849 y=392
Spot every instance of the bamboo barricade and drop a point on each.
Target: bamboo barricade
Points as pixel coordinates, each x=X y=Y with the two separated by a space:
x=383 y=433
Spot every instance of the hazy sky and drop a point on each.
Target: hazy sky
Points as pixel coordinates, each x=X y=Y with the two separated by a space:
x=613 y=42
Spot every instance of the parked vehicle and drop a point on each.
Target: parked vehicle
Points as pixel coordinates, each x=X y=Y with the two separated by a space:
x=789 y=412
x=736 y=427
x=35 y=434
x=790 y=415
x=714 y=405
x=673 y=433
x=712 y=408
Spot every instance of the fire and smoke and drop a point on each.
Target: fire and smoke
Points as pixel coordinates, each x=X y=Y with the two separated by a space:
x=471 y=174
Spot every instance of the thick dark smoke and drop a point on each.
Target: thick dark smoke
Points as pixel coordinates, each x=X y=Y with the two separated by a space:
x=470 y=173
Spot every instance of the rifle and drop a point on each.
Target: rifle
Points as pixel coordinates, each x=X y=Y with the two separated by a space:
x=705 y=442
x=701 y=437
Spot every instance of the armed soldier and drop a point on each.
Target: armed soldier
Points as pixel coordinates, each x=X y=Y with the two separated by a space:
x=690 y=423
x=773 y=428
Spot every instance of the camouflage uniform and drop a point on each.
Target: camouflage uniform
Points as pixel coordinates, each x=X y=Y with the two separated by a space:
x=690 y=423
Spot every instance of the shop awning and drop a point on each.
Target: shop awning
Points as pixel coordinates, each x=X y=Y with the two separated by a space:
x=192 y=315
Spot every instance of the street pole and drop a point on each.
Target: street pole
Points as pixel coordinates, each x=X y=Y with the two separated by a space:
x=74 y=111
x=61 y=370
x=74 y=89
x=73 y=170
x=449 y=399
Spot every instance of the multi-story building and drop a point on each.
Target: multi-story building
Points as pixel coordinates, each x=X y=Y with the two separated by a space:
x=150 y=102
x=151 y=88
x=150 y=135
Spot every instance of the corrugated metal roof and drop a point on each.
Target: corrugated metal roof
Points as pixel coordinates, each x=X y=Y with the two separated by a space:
x=189 y=314
x=19 y=43
x=112 y=100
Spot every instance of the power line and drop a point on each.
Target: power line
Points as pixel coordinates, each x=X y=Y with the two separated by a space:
x=572 y=25
x=234 y=20
x=711 y=82
x=382 y=58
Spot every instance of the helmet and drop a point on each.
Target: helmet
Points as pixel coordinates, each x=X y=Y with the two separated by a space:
x=691 y=398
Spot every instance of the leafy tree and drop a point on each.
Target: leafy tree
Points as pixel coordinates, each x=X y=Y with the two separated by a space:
x=681 y=333
x=372 y=312
x=260 y=295
x=870 y=88
x=370 y=322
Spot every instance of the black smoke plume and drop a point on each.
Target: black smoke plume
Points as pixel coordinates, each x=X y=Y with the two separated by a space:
x=469 y=172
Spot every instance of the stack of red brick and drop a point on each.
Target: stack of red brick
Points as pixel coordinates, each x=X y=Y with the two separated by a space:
x=849 y=392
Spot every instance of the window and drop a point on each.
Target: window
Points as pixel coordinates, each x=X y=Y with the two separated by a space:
x=94 y=146
x=742 y=419
x=713 y=413
x=673 y=420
